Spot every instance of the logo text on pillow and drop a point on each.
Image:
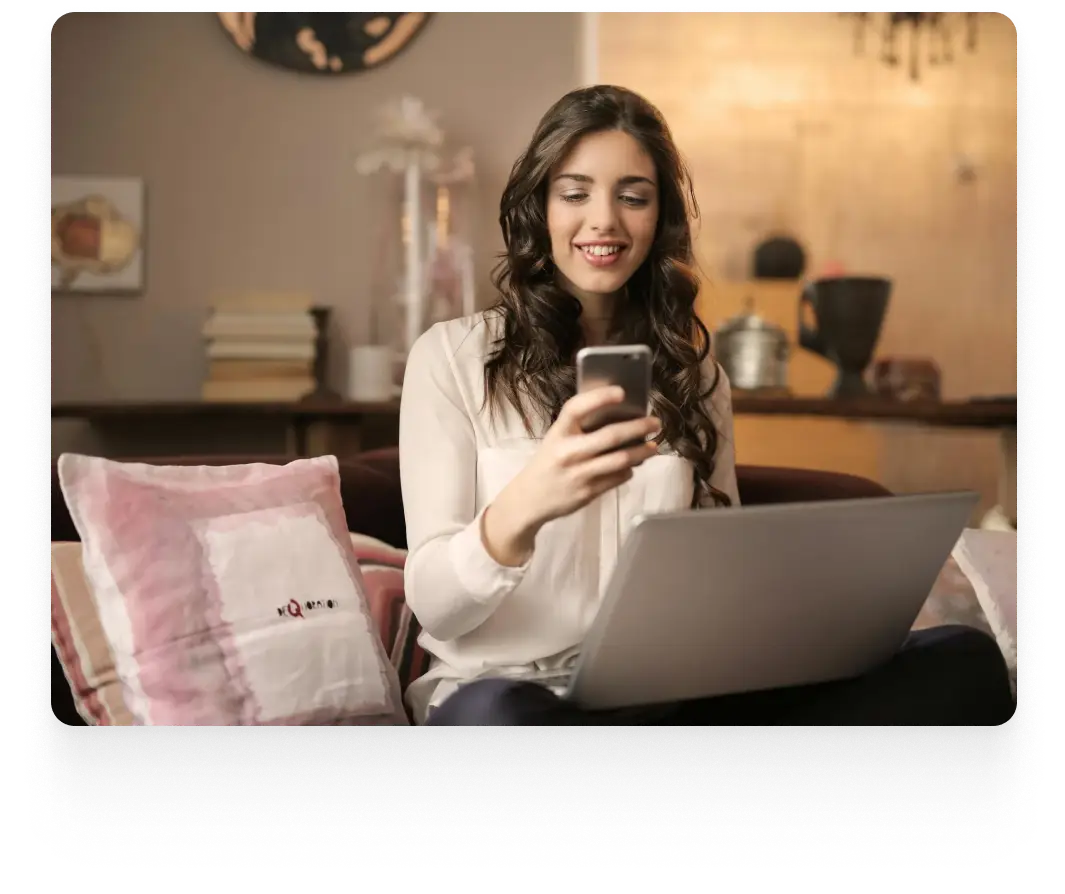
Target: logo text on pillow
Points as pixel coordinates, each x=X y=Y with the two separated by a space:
x=294 y=609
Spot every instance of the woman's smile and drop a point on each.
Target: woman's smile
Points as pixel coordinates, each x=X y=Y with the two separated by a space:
x=602 y=254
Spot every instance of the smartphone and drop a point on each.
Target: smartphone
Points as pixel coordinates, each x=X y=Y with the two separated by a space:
x=628 y=366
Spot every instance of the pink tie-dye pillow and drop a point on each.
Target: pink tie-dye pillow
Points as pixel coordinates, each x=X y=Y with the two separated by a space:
x=230 y=594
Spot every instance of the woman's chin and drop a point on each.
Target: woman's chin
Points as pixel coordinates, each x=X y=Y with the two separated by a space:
x=600 y=283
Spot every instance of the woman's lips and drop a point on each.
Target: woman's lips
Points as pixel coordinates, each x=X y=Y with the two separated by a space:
x=592 y=255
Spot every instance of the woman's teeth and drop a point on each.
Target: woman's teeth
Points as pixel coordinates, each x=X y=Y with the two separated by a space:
x=599 y=251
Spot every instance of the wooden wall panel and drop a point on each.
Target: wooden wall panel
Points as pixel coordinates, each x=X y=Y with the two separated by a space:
x=784 y=126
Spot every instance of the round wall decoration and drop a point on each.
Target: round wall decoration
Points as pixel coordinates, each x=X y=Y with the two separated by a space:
x=323 y=42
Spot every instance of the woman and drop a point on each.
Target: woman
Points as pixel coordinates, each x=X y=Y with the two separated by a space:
x=515 y=515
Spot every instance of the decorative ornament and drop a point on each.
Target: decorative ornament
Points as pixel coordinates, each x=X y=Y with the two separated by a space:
x=323 y=42
x=437 y=278
x=936 y=29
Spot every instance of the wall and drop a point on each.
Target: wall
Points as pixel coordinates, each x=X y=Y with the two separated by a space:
x=249 y=172
x=784 y=126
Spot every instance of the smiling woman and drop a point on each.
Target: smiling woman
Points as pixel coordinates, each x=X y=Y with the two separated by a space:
x=323 y=42
x=514 y=513
x=602 y=211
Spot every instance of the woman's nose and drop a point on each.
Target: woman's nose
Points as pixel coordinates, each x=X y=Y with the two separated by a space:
x=602 y=214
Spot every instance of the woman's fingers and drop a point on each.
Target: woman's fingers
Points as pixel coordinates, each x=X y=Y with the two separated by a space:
x=616 y=461
x=580 y=405
x=610 y=438
x=596 y=487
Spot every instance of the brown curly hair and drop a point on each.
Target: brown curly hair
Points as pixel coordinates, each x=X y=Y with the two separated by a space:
x=532 y=364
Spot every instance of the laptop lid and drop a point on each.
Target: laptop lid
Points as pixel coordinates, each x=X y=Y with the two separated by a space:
x=710 y=602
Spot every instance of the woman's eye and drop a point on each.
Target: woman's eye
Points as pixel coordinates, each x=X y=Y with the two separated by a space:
x=632 y=201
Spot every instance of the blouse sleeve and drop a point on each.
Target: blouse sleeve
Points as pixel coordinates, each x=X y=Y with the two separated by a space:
x=719 y=408
x=452 y=584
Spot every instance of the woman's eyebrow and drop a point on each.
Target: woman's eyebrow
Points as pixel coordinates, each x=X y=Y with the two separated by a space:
x=624 y=181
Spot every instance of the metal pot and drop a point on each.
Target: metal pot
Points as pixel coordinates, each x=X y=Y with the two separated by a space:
x=753 y=352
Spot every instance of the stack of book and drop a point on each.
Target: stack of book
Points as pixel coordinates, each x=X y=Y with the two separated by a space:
x=261 y=347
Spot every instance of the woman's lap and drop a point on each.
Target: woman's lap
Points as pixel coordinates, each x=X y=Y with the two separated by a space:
x=949 y=675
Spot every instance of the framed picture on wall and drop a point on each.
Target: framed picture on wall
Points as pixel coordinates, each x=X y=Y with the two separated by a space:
x=97 y=235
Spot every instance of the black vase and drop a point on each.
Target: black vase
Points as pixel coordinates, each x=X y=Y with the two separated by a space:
x=849 y=311
x=779 y=257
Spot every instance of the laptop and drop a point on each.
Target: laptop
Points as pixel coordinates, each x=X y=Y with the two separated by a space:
x=715 y=602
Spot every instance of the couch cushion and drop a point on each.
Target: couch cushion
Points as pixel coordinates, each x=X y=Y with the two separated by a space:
x=229 y=595
x=382 y=568
x=80 y=644
x=86 y=688
x=772 y=484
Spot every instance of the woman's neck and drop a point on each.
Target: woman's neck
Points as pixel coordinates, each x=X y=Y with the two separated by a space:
x=595 y=332
x=597 y=311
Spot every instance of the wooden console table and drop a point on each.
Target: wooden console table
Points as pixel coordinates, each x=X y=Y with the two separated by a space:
x=305 y=422
x=978 y=413
x=312 y=426
x=303 y=418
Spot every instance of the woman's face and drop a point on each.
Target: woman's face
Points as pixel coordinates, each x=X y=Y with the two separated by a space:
x=602 y=209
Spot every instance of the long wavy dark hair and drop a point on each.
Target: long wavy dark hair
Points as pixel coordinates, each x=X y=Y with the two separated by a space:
x=532 y=364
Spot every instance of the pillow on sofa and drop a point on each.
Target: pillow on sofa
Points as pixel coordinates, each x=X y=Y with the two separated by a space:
x=229 y=594
x=382 y=569
x=85 y=656
x=81 y=644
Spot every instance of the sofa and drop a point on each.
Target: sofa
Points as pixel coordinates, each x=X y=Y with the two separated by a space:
x=373 y=505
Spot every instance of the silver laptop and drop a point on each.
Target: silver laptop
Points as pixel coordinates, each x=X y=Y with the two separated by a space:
x=721 y=601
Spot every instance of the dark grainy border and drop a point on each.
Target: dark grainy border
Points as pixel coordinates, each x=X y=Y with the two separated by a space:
x=640 y=797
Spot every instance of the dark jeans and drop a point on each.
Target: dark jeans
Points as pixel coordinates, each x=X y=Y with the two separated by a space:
x=950 y=675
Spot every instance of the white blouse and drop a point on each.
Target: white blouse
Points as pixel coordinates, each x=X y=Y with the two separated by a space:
x=480 y=617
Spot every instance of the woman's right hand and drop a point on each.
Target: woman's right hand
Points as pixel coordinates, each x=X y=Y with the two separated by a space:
x=571 y=468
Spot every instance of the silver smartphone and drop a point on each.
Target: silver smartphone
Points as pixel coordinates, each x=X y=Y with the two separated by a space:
x=626 y=365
